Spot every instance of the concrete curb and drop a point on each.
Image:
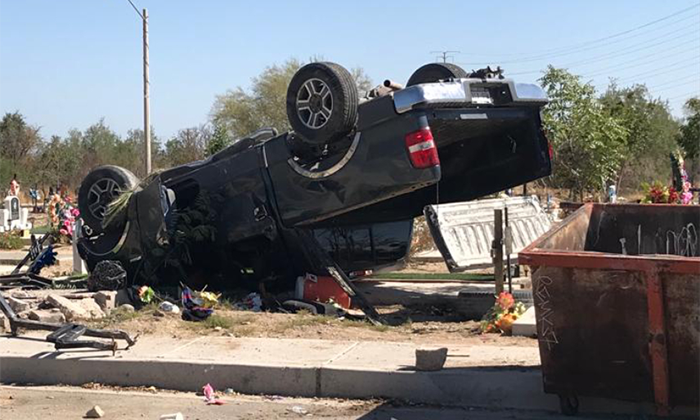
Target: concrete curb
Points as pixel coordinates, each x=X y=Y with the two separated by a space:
x=507 y=387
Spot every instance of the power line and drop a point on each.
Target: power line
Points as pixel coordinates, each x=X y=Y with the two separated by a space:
x=616 y=35
x=136 y=9
x=578 y=51
x=674 y=83
x=655 y=58
x=684 y=96
x=657 y=70
x=617 y=53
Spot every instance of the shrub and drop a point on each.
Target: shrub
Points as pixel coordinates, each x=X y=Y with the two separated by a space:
x=10 y=240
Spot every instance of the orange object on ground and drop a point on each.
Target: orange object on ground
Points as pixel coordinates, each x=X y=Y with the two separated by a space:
x=322 y=289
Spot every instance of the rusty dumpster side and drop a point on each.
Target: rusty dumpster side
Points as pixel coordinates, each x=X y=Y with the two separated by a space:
x=617 y=302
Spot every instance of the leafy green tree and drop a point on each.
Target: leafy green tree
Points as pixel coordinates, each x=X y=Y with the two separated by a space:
x=219 y=140
x=188 y=145
x=57 y=162
x=651 y=133
x=689 y=137
x=588 y=142
x=241 y=112
x=18 y=142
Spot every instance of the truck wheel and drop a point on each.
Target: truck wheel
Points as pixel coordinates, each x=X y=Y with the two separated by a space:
x=102 y=185
x=322 y=102
x=433 y=72
x=568 y=404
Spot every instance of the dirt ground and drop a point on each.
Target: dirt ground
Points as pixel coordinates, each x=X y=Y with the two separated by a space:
x=403 y=325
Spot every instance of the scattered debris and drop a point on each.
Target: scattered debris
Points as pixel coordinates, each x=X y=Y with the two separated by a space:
x=198 y=305
x=127 y=307
x=46 y=258
x=106 y=299
x=252 y=302
x=71 y=310
x=209 y=397
x=169 y=308
x=146 y=294
x=65 y=335
x=322 y=289
x=47 y=315
x=297 y=409
x=95 y=413
x=174 y=416
x=18 y=305
x=431 y=359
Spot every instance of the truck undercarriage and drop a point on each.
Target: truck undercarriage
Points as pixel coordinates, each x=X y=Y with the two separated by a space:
x=250 y=212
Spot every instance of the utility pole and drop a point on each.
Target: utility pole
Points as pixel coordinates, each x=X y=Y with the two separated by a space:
x=445 y=55
x=146 y=94
x=146 y=89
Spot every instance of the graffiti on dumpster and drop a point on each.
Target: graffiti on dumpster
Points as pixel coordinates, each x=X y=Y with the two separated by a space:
x=684 y=242
x=545 y=313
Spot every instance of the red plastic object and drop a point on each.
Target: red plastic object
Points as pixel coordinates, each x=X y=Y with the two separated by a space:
x=322 y=289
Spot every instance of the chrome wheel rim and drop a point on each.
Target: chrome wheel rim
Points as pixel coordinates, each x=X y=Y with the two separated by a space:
x=314 y=103
x=102 y=193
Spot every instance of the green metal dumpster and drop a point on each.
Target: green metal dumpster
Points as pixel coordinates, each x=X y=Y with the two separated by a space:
x=617 y=302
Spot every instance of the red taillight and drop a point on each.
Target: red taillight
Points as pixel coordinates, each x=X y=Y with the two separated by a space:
x=551 y=151
x=421 y=148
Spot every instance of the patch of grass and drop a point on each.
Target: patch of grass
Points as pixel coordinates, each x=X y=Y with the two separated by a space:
x=40 y=230
x=215 y=320
x=119 y=315
x=10 y=240
x=303 y=319
x=364 y=324
x=432 y=276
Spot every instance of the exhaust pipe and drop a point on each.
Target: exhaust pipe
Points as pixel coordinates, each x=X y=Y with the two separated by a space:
x=392 y=85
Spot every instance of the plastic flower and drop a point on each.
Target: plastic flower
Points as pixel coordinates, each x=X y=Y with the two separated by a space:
x=672 y=195
x=505 y=300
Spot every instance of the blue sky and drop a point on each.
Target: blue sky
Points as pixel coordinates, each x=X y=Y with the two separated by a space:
x=66 y=64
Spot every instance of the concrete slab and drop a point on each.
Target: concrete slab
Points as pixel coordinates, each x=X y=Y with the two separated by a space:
x=526 y=325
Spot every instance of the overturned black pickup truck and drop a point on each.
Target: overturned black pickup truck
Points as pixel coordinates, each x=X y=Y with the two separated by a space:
x=349 y=179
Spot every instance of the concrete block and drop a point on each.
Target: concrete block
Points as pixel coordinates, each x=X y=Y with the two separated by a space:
x=47 y=315
x=93 y=309
x=106 y=299
x=72 y=310
x=18 y=305
x=21 y=294
x=430 y=359
x=95 y=413
x=526 y=325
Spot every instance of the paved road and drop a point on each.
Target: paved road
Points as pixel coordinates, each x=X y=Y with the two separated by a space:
x=58 y=403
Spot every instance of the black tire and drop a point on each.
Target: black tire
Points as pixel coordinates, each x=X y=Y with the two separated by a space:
x=102 y=185
x=433 y=72
x=568 y=404
x=322 y=101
